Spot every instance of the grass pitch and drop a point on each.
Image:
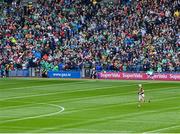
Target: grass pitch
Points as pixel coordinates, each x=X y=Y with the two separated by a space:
x=87 y=106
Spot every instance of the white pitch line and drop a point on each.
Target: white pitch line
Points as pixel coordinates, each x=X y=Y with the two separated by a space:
x=109 y=118
x=10 y=107
x=16 y=127
x=67 y=99
x=99 y=96
x=107 y=95
x=59 y=84
x=26 y=96
x=72 y=111
x=38 y=116
x=161 y=129
x=87 y=81
x=45 y=85
x=103 y=119
x=78 y=99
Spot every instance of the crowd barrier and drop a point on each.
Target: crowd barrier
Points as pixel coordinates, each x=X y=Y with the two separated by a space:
x=31 y=72
x=19 y=73
x=64 y=74
x=100 y=75
x=139 y=76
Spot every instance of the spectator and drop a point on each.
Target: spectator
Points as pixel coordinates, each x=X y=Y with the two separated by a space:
x=64 y=35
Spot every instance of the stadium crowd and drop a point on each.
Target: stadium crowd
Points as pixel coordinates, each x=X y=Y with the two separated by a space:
x=124 y=35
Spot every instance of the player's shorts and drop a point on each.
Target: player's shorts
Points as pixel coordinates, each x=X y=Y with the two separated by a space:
x=141 y=97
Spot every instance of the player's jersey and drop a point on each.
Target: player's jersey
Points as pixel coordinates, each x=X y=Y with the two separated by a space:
x=141 y=92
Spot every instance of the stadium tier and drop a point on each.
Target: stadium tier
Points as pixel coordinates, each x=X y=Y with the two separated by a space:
x=121 y=35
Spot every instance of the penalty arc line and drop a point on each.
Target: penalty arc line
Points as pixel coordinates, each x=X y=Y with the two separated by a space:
x=62 y=101
x=38 y=116
x=62 y=108
x=103 y=119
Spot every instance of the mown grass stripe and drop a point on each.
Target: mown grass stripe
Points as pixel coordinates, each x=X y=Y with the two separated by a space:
x=97 y=121
x=85 y=110
x=19 y=97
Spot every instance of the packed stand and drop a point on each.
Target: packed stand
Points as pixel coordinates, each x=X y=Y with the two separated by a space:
x=126 y=35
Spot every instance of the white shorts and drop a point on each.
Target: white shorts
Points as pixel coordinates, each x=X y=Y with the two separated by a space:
x=141 y=97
